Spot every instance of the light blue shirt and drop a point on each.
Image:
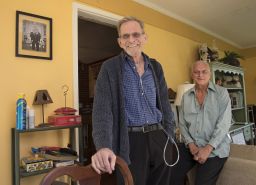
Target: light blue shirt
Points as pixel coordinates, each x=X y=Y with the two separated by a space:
x=208 y=123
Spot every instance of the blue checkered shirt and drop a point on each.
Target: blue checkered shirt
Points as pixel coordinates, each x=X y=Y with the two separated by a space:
x=140 y=95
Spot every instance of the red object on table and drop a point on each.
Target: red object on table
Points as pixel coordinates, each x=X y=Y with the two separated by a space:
x=64 y=120
x=65 y=111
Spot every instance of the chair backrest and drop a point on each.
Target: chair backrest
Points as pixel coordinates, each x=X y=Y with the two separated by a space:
x=86 y=175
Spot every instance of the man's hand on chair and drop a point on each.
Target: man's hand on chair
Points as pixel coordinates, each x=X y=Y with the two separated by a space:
x=104 y=160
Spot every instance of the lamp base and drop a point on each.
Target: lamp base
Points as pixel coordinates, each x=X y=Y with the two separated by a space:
x=45 y=125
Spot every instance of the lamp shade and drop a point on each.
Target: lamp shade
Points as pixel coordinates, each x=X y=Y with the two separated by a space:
x=42 y=97
x=180 y=91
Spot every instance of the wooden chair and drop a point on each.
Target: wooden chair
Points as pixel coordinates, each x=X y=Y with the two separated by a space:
x=86 y=175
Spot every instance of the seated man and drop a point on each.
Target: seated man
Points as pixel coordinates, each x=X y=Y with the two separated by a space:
x=205 y=119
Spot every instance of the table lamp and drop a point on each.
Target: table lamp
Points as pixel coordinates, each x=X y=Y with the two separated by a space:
x=42 y=97
x=180 y=91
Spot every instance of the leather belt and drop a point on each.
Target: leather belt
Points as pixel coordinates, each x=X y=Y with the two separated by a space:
x=145 y=128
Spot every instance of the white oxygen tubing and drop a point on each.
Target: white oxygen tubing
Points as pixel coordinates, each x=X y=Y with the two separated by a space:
x=175 y=144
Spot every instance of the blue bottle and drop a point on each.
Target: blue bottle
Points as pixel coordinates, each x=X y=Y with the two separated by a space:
x=21 y=106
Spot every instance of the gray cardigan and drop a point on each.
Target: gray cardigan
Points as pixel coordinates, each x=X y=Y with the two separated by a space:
x=108 y=118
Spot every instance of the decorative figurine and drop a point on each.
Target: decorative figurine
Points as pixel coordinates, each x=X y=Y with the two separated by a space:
x=203 y=52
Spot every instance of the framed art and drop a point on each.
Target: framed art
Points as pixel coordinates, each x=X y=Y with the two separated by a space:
x=33 y=36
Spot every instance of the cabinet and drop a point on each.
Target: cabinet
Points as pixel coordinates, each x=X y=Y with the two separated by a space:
x=232 y=78
x=18 y=172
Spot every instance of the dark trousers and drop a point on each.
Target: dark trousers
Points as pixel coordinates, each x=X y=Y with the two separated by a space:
x=206 y=174
x=146 y=154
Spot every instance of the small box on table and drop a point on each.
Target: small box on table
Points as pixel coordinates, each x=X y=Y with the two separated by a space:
x=64 y=120
x=31 y=164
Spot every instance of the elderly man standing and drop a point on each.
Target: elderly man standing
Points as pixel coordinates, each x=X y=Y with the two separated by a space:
x=205 y=119
x=131 y=110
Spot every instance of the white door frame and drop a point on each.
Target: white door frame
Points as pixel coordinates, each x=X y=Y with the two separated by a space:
x=97 y=15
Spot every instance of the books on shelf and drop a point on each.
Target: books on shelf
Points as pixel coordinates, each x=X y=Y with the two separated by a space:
x=60 y=157
x=236 y=99
x=63 y=163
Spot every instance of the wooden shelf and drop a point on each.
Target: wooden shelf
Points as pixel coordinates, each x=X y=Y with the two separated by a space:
x=234 y=88
x=48 y=128
x=23 y=173
x=18 y=172
x=238 y=108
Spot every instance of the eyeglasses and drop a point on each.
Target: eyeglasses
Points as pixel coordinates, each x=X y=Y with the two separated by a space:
x=203 y=73
x=135 y=35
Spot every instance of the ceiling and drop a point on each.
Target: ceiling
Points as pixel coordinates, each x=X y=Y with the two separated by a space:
x=229 y=20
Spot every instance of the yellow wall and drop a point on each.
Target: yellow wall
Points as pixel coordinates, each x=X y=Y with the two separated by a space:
x=249 y=66
x=172 y=43
x=28 y=75
x=156 y=19
x=249 y=52
x=174 y=52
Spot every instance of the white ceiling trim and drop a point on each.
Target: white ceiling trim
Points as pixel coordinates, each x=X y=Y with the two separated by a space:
x=186 y=21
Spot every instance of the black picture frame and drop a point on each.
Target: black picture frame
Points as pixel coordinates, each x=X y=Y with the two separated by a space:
x=33 y=36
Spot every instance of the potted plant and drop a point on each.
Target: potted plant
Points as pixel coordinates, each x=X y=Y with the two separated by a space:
x=231 y=58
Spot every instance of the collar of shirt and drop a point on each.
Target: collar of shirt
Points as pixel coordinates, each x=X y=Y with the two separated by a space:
x=210 y=87
x=130 y=61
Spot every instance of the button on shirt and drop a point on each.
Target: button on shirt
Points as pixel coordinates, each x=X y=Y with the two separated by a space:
x=140 y=95
x=208 y=123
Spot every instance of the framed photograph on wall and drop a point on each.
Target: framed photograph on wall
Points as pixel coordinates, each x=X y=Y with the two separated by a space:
x=33 y=36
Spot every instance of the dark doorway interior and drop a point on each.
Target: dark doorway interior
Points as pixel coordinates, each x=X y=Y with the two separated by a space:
x=96 y=43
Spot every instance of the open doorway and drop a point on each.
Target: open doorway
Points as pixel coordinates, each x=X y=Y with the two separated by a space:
x=94 y=40
x=96 y=43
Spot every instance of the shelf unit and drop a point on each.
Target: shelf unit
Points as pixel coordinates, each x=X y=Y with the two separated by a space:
x=232 y=78
x=18 y=172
